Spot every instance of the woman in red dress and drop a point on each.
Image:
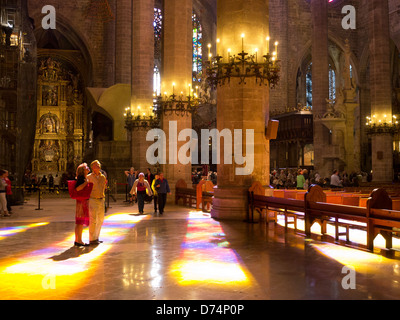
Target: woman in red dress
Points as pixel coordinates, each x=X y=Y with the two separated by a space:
x=82 y=205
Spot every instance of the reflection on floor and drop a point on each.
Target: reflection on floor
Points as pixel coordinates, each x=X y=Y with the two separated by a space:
x=183 y=254
x=206 y=256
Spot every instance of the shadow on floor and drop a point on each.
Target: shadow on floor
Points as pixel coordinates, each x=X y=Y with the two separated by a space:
x=73 y=252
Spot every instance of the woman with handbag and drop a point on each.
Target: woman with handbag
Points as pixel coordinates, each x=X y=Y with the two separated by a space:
x=83 y=189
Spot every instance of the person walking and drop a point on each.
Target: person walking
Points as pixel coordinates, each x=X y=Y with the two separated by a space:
x=162 y=188
x=82 y=204
x=96 y=202
x=3 y=190
x=139 y=188
x=155 y=194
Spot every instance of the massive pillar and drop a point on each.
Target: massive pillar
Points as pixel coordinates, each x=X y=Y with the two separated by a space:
x=320 y=82
x=381 y=93
x=123 y=41
x=176 y=78
x=142 y=79
x=241 y=106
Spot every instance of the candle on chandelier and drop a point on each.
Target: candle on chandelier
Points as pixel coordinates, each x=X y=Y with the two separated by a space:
x=243 y=41
x=276 y=49
x=268 y=38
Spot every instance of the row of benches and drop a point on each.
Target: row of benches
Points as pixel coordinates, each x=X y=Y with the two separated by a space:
x=376 y=217
x=201 y=195
x=357 y=199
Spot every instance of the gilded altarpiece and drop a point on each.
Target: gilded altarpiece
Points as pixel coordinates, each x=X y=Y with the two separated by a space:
x=58 y=144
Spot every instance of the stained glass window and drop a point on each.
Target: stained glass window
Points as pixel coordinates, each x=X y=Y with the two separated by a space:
x=157 y=24
x=309 y=85
x=157 y=81
x=197 y=49
x=332 y=83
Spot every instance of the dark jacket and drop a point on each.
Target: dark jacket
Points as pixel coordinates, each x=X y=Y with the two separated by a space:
x=164 y=186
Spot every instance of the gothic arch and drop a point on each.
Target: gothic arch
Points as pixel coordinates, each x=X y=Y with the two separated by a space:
x=76 y=42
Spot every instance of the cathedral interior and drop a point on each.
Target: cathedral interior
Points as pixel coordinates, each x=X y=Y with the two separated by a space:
x=80 y=81
x=316 y=81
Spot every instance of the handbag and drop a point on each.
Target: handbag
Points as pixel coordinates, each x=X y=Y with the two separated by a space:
x=79 y=195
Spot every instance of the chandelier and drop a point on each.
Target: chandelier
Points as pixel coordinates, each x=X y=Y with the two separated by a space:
x=180 y=105
x=243 y=66
x=138 y=121
x=382 y=124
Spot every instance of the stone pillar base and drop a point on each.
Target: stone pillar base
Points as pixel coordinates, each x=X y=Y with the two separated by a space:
x=229 y=203
x=382 y=157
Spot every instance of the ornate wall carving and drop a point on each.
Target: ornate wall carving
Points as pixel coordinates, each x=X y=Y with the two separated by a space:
x=59 y=134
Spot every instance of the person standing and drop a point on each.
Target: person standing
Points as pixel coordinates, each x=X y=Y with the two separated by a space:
x=96 y=202
x=82 y=205
x=335 y=180
x=162 y=188
x=3 y=199
x=8 y=192
x=139 y=188
x=57 y=181
x=149 y=176
x=300 y=180
x=155 y=194
x=130 y=179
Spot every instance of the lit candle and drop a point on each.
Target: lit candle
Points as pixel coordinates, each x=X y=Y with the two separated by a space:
x=276 y=49
x=256 y=53
x=217 y=46
x=267 y=44
x=209 y=49
x=242 y=41
x=229 y=54
x=173 y=88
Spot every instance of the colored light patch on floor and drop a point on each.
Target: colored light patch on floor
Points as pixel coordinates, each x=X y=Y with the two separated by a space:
x=56 y=271
x=206 y=256
x=361 y=261
x=10 y=231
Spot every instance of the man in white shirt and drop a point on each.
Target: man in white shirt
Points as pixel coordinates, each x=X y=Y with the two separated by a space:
x=96 y=202
x=335 y=180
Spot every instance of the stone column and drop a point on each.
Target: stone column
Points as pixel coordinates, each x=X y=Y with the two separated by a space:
x=320 y=81
x=381 y=89
x=176 y=76
x=123 y=41
x=241 y=107
x=142 y=78
x=109 y=50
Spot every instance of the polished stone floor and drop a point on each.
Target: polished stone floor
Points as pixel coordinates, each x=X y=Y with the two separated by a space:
x=182 y=255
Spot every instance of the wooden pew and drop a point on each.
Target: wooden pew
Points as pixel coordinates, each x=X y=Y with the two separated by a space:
x=377 y=217
x=204 y=195
x=255 y=203
x=188 y=195
x=289 y=207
